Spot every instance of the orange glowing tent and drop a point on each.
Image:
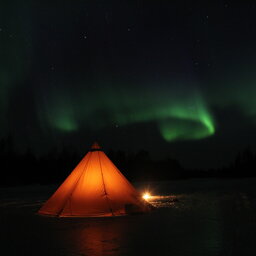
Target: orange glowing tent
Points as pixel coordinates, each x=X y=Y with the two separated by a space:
x=95 y=188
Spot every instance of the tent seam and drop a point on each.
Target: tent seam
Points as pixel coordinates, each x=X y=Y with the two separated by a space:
x=108 y=201
x=69 y=196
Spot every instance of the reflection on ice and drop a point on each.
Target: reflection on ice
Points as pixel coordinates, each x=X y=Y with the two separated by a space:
x=164 y=201
x=99 y=239
x=191 y=217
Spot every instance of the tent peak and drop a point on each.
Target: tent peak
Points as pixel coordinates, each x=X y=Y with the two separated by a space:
x=95 y=146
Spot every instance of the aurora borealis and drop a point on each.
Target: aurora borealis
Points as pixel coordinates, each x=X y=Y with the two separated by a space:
x=173 y=78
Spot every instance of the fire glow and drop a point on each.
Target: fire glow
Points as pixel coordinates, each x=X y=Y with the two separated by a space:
x=146 y=196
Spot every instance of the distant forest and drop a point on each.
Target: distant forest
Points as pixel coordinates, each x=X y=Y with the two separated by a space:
x=54 y=167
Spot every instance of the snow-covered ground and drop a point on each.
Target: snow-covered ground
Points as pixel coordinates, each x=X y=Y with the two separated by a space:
x=192 y=217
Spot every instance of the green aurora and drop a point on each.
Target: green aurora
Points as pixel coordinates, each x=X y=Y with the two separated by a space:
x=67 y=73
x=178 y=116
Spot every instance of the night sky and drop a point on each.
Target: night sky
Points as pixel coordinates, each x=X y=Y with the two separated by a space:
x=175 y=78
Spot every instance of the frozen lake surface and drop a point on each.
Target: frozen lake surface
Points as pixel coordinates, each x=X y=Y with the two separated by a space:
x=192 y=217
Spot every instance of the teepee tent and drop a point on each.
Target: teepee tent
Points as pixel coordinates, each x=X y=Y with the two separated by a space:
x=95 y=188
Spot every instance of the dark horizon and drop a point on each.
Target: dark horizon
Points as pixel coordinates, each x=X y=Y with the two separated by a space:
x=55 y=166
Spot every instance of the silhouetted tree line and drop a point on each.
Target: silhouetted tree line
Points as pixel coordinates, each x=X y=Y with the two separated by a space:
x=243 y=166
x=140 y=166
x=54 y=167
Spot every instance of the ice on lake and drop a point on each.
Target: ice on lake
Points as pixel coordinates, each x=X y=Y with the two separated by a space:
x=192 y=217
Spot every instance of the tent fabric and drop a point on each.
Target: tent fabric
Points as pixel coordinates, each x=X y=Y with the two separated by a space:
x=95 y=188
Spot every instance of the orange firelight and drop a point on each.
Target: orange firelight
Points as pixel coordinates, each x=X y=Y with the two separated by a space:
x=146 y=196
